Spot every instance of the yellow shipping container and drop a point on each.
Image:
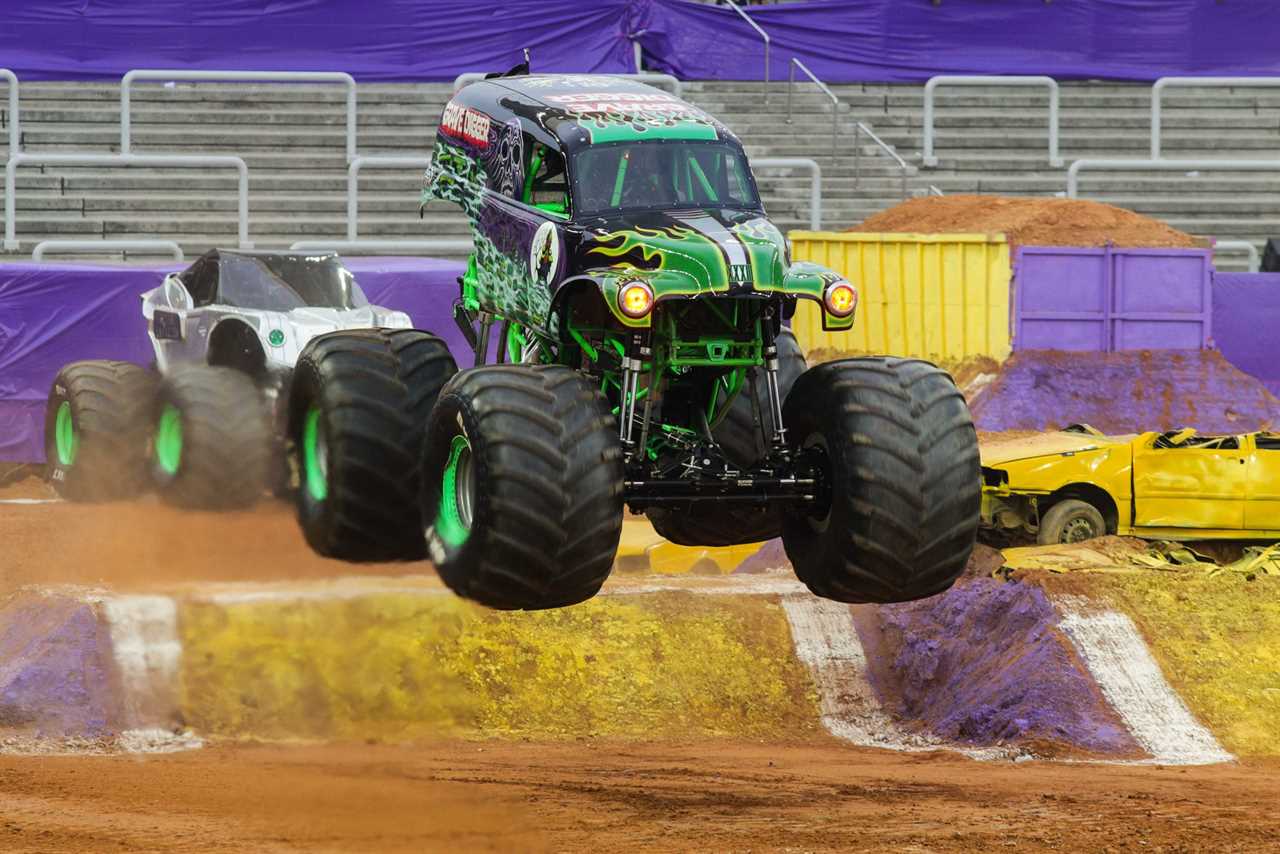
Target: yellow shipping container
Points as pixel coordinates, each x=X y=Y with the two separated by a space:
x=942 y=297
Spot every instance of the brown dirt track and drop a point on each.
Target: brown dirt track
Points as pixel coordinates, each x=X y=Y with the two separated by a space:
x=594 y=796
x=589 y=795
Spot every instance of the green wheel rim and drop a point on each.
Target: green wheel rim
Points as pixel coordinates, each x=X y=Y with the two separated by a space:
x=315 y=456
x=457 y=494
x=169 y=440
x=65 y=440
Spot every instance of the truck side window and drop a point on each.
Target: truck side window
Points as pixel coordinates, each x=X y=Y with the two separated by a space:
x=1269 y=443
x=546 y=186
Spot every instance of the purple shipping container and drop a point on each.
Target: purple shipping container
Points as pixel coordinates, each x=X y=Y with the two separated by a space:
x=1107 y=299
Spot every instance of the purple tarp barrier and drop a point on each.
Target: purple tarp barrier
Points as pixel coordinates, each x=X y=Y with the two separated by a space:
x=1107 y=299
x=1246 y=323
x=892 y=41
x=841 y=40
x=52 y=314
x=402 y=40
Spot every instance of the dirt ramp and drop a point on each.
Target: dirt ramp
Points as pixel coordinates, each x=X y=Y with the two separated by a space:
x=984 y=664
x=1124 y=392
x=1028 y=221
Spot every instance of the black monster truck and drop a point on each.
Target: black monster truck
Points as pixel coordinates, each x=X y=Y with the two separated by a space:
x=639 y=298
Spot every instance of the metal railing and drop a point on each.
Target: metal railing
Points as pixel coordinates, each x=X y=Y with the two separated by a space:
x=38 y=253
x=161 y=160
x=1162 y=165
x=858 y=129
x=653 y=78
x=15 y=124
x=1240 y=246
x=815 y=181
x=835 y=102
x=378 y=161
x=450 y=245
x=126 y=84
x=990 y=80
x=763 y=35
x=1157 y=93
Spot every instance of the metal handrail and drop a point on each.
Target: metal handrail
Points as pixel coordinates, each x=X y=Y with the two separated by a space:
x=1162 y=165
x=170 y=246
x=1255 y=261
x=990 y=80
x=170 y=160
x=835 y=102
x=378 y=161
x=1157 y=92
x=452 y=246
x=815 y=181
x=858 y=129
x=15 y=124
x=651 y=77
x=136 y=74
x=765 y=36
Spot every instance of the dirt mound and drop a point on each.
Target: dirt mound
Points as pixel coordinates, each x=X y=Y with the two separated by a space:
x=1124 y=392
x=1028 y=221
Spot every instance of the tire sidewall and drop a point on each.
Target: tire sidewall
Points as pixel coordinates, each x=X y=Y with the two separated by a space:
x=453 y=416
x=61 y=476
x=315 y=515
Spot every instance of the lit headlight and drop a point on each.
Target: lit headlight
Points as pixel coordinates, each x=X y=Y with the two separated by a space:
x=635 y=299
x=840 y=298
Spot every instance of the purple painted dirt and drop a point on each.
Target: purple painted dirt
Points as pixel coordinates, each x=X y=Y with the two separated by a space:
x=770 y=556
x=984 y=664
x=1125 y=392
x=55 y=676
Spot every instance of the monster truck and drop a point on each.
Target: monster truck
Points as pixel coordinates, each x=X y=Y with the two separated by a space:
x=198 y=424
x=639 y=298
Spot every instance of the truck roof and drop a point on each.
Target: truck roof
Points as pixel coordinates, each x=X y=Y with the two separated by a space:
x=576 y=110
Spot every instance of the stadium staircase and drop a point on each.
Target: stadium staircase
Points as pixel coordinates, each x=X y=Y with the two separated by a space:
x=292 y=137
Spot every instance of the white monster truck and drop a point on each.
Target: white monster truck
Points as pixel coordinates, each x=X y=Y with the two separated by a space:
x=204 y=424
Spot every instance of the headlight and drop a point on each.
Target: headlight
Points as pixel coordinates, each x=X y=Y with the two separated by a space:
x=635 y=299
x=840 y=298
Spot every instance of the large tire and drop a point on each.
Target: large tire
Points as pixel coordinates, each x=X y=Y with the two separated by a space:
x=898 y=455
x=212 y=439
x=743 y=442
x=358 y=407
x=1070 y=521
x=522 y=486
x=97 y=423
x=712 y=523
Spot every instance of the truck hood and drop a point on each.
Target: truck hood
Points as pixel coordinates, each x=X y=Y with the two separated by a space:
x=1047 y=445
x=703 y=251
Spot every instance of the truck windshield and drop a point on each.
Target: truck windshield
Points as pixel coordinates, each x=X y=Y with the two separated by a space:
x=286 y=282
x=661 y=174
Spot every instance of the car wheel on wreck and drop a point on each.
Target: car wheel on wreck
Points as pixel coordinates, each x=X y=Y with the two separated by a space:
x=1070 y=521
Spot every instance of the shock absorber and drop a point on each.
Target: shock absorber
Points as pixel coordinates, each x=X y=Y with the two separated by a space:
x=779 y=439
x=632 y=364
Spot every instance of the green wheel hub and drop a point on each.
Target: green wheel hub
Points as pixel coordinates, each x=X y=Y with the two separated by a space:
x=169 y=440
x=65 y=440
x=315 y=456
x=457 y=494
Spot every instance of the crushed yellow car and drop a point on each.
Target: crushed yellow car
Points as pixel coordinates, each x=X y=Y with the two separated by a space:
x=1077 y=484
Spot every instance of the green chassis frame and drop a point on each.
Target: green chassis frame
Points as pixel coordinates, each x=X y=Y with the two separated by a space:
x=672 y=358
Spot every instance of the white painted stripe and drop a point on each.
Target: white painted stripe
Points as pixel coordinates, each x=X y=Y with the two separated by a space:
x=826 y=640
x=1131 y=680
x=31 y=501
x=148 y=656
x=715 y=230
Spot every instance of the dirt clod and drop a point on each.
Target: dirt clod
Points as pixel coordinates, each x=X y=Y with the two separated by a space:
x=1029 y=221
